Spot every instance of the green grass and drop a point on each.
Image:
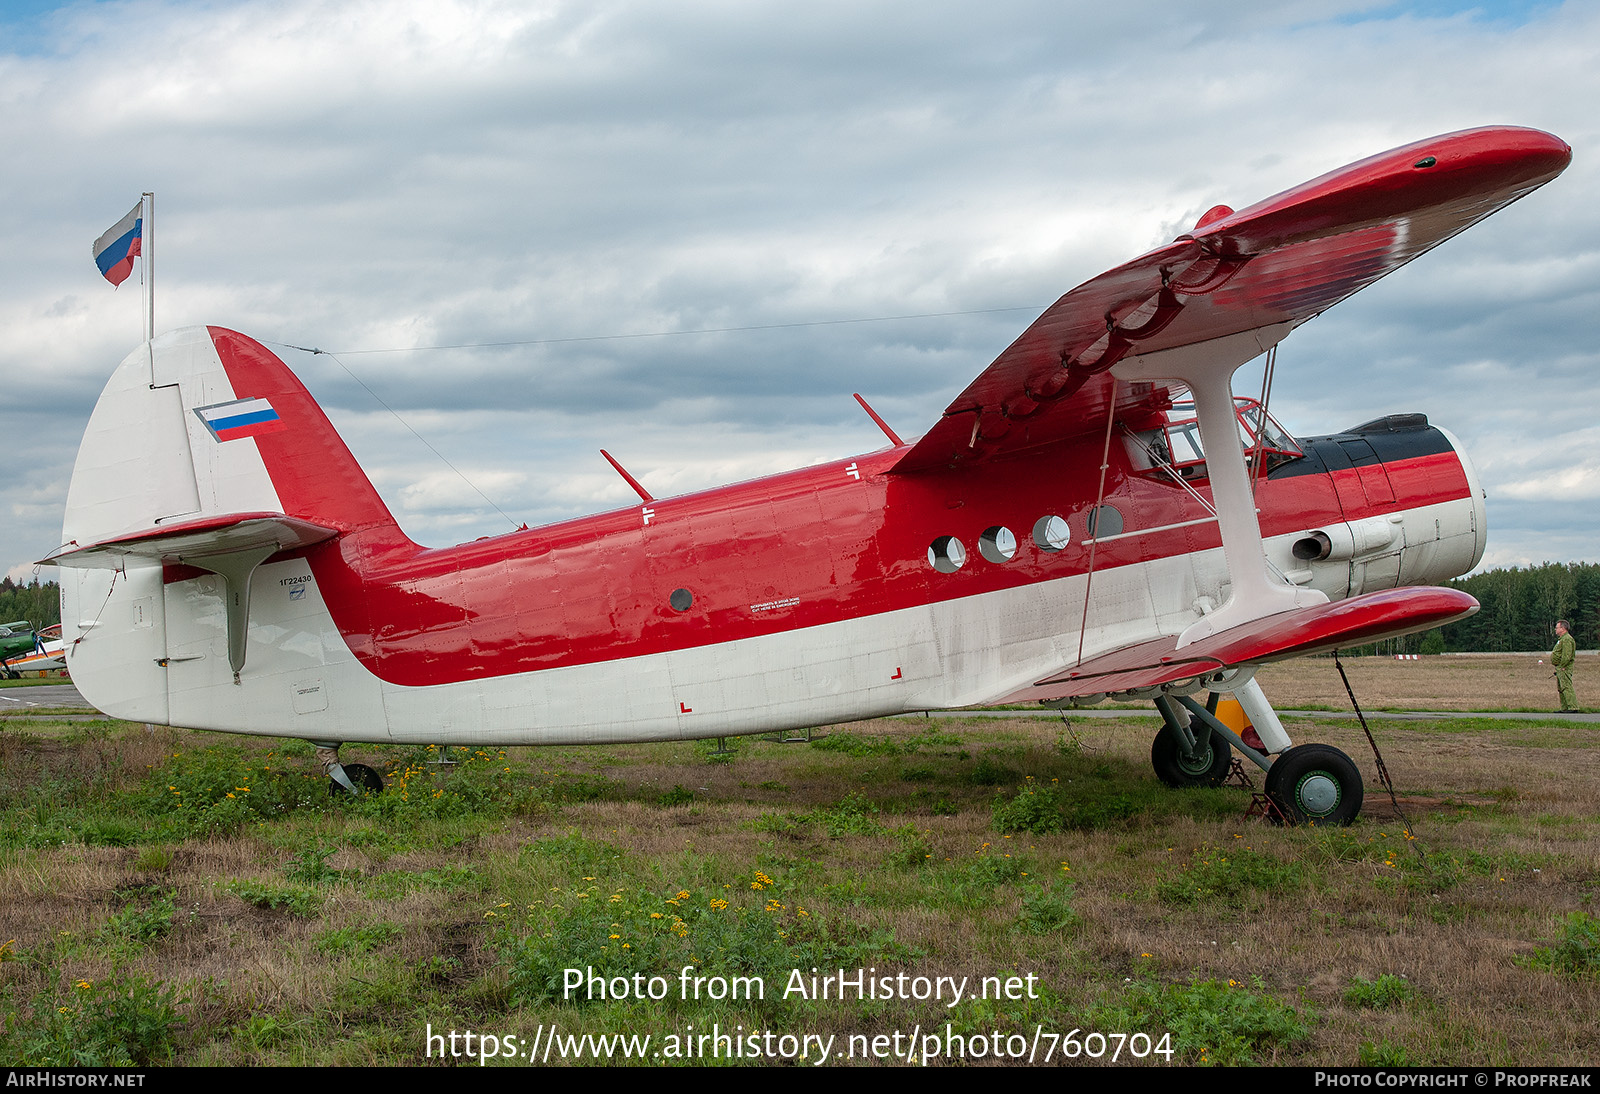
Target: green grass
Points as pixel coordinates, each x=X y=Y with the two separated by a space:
x=1235 y=876
x=293 y=899
x=1576 y=952
x=282 y=925
x=1212 y=1022
x=1387 y=990
x=125 y=1021
x=359 y=939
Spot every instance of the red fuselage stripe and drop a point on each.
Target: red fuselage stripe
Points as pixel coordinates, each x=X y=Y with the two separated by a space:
x=820 y=545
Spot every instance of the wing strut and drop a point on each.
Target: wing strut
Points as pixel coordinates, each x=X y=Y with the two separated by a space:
x=1099 y=500
x=1267 y=372
x=1207 y=370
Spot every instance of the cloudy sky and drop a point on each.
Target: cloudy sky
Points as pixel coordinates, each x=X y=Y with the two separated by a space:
x=380 y=178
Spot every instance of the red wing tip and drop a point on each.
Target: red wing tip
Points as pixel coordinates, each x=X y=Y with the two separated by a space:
x=1492 y=159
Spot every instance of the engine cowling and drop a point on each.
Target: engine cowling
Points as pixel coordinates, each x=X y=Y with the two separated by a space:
x=1413 y=506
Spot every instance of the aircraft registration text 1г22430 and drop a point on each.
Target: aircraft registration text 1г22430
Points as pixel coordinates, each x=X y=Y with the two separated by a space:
x=229 y=566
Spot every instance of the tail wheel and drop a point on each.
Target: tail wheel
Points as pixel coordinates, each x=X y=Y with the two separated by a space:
x=1315 y=784
x=1207 y=767
x=363 y=777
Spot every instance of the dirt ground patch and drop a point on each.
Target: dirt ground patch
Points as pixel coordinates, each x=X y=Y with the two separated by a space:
x=1447 y=682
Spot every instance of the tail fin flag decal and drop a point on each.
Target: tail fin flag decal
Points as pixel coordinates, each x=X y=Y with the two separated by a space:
x=240 y=418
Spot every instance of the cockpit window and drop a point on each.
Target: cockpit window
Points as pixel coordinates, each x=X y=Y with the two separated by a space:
x=1173 y=452
x=1258 y=425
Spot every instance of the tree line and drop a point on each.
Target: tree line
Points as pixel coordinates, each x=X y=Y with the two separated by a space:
x=1518 y=612
x=1520 y=609
x=37 y=602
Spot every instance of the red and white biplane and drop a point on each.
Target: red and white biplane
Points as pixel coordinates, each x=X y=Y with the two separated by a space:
x=1068 y=530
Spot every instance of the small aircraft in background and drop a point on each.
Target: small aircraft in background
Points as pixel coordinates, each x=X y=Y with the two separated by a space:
x=1095 y=516
x=17 y=638
x=22 y=649
x=45 y=653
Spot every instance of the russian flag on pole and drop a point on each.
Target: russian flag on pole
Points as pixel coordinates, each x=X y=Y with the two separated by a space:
x=115 y=251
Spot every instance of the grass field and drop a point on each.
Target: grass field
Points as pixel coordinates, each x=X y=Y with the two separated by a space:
x=188 y=898
x=1479 y=681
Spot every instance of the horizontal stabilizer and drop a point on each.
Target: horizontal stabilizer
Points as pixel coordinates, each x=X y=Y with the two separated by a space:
x=230 y=545
x=226 y=534
x=1316 y=629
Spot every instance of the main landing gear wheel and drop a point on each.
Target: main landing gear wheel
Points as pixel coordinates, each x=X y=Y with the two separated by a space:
x=364 y=778
x=1207 y=767
x=1315 y=784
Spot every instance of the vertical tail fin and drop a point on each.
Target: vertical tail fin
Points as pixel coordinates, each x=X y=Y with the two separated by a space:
x=206 y=456
x=202 y=423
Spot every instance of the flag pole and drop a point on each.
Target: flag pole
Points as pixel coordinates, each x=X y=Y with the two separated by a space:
x=147 y=250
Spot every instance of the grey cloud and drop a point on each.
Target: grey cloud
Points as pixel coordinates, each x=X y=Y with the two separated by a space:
x=367 y=176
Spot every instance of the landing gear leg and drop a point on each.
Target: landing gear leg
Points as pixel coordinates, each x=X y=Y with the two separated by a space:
x=354 y=779
x=1307 y=784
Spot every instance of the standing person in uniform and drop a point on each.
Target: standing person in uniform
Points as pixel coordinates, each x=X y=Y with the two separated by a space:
x=1562 y=657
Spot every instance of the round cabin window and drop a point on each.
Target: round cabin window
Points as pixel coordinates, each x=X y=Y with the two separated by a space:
x=946 y=554
x=1051 y=533
x=997 y=544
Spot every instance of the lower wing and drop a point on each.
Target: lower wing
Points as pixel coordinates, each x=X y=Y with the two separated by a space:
x=1316 y=629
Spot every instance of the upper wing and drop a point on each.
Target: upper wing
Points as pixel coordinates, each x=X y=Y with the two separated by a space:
x=1273 y=265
